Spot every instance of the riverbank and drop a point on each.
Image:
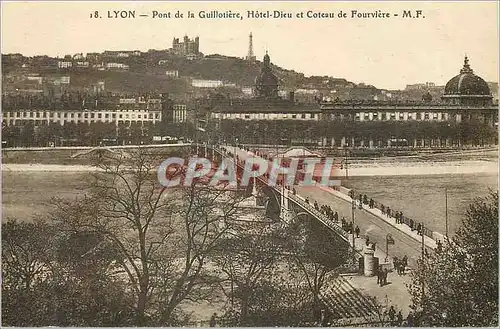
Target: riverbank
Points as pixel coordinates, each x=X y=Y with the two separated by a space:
x=399 y=168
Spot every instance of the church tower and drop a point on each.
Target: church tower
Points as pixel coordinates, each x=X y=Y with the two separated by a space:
x=266 y=84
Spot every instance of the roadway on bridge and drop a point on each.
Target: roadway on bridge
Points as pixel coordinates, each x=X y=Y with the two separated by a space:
x=369 y=224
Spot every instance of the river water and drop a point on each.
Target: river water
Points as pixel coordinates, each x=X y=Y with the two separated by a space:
x=423 y=197
x=412 y=185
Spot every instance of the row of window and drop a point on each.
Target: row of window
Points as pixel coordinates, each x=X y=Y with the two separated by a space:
x=12 y=122
x=267 y=115
x=339 y=116
x=392 y=116
x=92 y=115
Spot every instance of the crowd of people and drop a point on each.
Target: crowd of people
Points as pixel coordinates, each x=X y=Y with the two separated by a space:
x=387 y=211
x=334 y=217
x=400 y=264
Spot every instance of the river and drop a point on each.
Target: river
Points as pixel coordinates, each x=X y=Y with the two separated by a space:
x=413 y=185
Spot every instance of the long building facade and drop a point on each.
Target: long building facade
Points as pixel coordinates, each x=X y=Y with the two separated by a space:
x=117 y=117
x=124 y=111
x=465 y=114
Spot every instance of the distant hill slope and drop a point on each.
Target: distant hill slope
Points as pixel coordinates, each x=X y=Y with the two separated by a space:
x=243 y=72
x=236 y=70
x=130 y=82
x=148 y=72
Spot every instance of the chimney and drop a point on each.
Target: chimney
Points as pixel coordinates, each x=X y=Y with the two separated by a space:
x=292 y=96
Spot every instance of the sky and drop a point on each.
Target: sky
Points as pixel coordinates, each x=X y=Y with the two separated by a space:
x=385 y=52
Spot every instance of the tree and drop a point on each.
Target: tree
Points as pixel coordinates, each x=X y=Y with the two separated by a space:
x=56 y=277
x=100 y=130
x=459 y=285
x=317 y=254
x=25 y=257
x=277 y=302
x=246 y=258
x=28 y=134
x=163 y=236
x=136 y=133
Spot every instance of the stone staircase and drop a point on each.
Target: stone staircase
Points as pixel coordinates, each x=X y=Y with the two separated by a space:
x=346 y=303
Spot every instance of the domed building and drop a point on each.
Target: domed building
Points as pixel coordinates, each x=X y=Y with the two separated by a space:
x=266 y=84
x=427 y=97
x=467 y=89
x=466 y=115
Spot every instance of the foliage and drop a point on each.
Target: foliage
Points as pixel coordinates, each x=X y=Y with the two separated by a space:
x=162 y=237
x=278 y=302
x=315 y=254
x=460 y=283
x=55 y=277
x=272 y=131
x=253 y=253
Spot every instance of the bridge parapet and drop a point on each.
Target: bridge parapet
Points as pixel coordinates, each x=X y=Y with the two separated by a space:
x=320 y=216
x=294 y=198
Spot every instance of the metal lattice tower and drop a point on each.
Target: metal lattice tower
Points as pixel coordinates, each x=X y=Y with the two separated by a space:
x=250 y=55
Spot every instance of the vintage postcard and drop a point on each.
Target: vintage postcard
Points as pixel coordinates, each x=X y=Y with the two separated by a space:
x=249 y=164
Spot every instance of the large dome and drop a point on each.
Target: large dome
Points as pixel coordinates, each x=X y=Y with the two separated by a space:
x=467 y=83
x=266 y=78
x=266 y=83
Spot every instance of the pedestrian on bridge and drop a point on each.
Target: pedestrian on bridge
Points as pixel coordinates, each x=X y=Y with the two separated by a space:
x=409 y=320
x=213 y=320
x=357 y=231
x=439 y=247
x=399 y=319
x=372 y=203
x=396 y=263
x=388 y=212
x=384 y=277
x=379 y=274
x=392 y=314
x=404 y=263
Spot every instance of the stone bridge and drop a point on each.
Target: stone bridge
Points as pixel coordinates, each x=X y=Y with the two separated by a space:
x=283 y=203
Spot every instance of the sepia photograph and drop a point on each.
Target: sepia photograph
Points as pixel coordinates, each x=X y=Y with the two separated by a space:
x=249 y=164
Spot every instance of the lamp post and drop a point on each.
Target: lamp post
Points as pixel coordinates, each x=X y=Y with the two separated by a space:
x=388 y=240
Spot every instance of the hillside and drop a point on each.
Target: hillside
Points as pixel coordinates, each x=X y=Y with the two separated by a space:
x=148 y=72
x=129 y=82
